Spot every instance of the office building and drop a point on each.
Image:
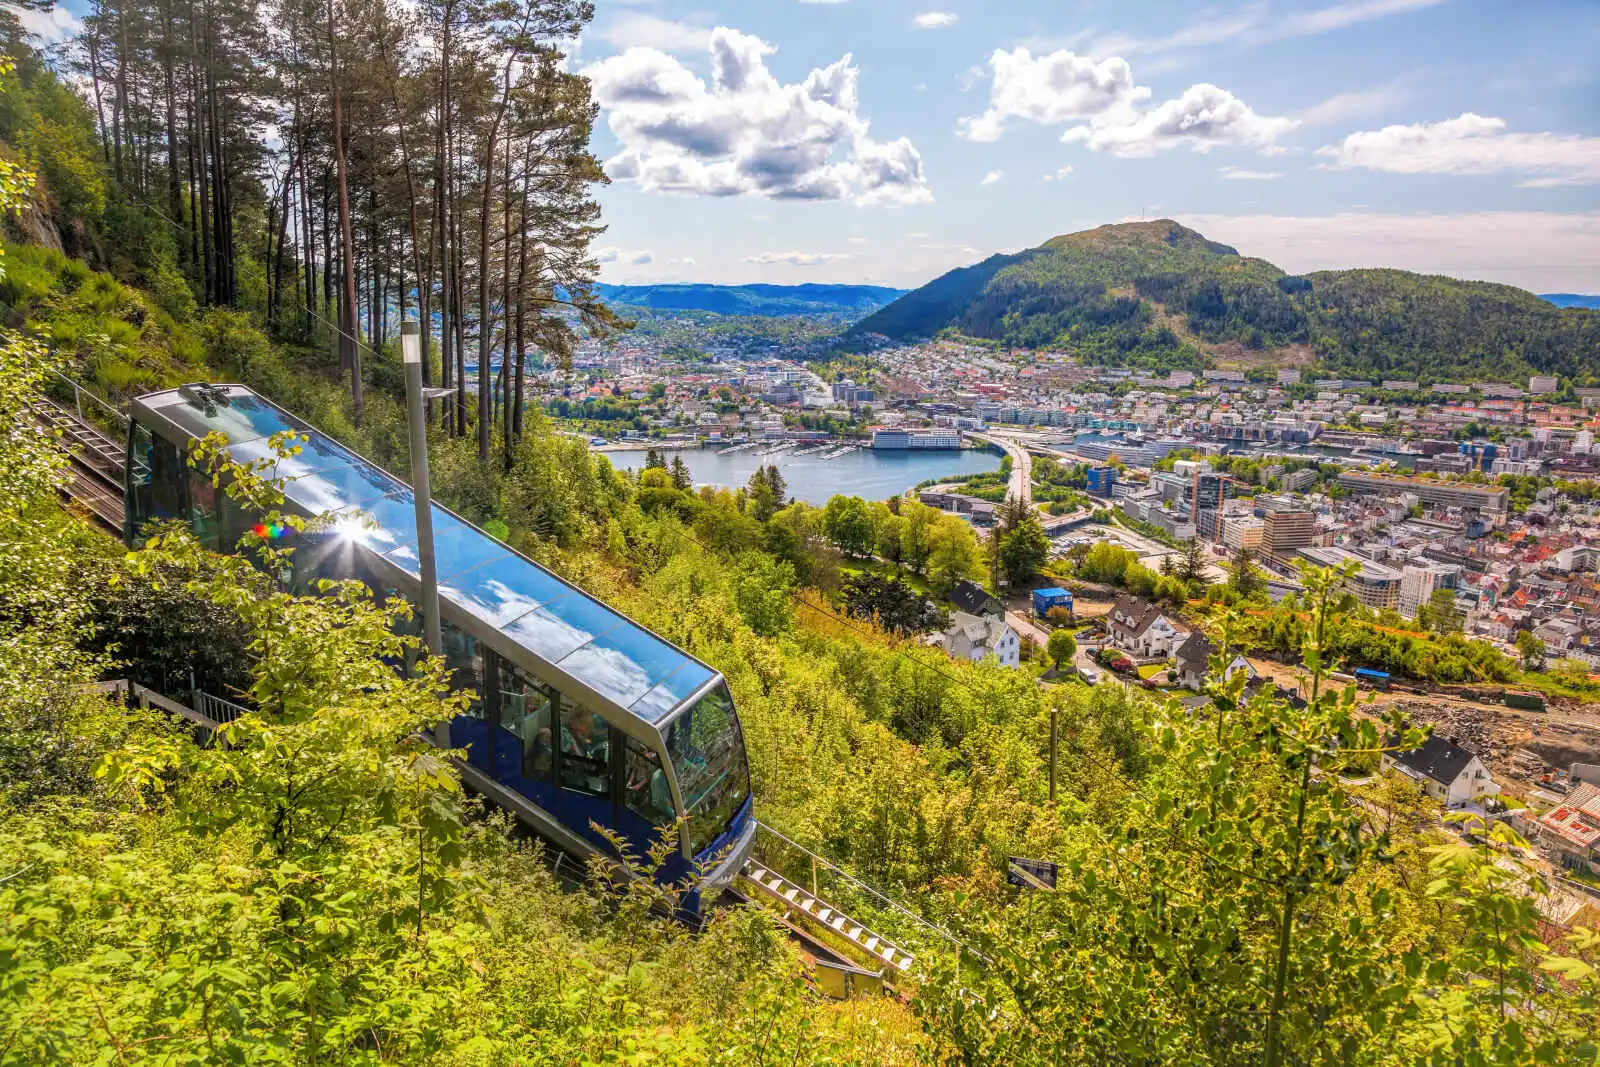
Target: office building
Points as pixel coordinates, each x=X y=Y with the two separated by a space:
x=1102 y=481
x=1375 y=585
x=1417 y=583
x=1493 y=499
x=1242 y=532
x=1208 y=493
x=916 y=440
x=1282 y=532
x=1542 y=383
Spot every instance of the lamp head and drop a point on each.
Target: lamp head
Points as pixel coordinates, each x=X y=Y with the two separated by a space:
x=411 y=341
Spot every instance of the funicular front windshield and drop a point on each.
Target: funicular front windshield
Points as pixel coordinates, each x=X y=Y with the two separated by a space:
x=706 y=748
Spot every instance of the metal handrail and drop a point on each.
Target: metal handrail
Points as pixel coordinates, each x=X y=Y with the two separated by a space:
x=219 y=710
x=859 y=884
x=79 y=392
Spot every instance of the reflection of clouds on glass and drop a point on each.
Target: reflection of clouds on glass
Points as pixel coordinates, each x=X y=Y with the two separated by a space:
x=493 y=601
x=608 y=671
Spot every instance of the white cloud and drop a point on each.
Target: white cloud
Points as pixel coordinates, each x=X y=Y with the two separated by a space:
x=1471 y=144
x=51 y=27
x=1545 y=252
x=856 y=240
x=1051 y=89
x=1240 y=174
x=992 y=177
x=1346 y=107
x=1255 y=25
x=1339 y=16
x=1203 y=118
x=796 y=259
x=681 y=261
x=1101 y=94
x=624 y=257
x=917 y=235
x=637 y=29
x=934 y=20
x=745 y=133
x=1061 y=173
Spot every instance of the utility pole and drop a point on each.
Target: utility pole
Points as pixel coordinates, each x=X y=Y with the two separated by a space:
x=1054 y=712
x=416 y=417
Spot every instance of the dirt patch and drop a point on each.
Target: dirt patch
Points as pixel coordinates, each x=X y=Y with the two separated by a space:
x=1517 y=748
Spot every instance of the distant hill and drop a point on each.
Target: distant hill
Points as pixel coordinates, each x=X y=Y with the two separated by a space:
x=1571 y=300
x=1160 y=294
x=845 y=300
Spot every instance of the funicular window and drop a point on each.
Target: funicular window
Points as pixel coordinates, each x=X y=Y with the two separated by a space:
x=155 y=477
x=463 y=657
x=646 y=792
x=527 y=712
x=203 y=516
x=706 y=747
x=585 y=750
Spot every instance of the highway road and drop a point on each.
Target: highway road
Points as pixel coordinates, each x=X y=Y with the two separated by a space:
x=1021 y=485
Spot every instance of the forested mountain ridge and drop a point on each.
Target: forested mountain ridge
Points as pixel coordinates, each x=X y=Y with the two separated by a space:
x=1158 y=293
x=754 y=299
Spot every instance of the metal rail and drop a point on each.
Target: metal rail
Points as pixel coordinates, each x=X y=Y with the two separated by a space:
x=99 y=461
x=857 y=883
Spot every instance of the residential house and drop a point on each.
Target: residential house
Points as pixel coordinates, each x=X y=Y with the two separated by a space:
x=1141 y=629
x=973 y=599
x=1444 y=770
x=1572 y=828
x=1192 y=658
x=978 y=637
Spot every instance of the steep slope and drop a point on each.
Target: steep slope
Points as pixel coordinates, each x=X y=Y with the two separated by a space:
x=1158 y=293
x=809 y=299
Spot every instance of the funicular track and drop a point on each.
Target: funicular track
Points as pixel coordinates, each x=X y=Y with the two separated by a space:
x=98 y=460
x=847 y=957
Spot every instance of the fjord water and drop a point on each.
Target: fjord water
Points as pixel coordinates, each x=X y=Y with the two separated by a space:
x=874 y=475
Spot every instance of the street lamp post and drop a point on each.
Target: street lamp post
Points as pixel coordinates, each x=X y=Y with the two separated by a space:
x=411 y=352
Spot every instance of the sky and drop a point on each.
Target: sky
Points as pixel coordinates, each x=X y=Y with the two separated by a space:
x=885 y=141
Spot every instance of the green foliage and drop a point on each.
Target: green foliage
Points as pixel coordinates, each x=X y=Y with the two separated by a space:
x=847 y=522
x=890 y=603
x=1061 y=647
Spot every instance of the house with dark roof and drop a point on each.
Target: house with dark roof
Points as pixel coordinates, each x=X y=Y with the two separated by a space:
x=1138 y=627
x=973 y=599
x=1444 y=770
x=1192 y=659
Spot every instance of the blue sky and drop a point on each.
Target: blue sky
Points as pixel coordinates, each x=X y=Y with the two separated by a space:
x=887 y=141
x=1454 y=136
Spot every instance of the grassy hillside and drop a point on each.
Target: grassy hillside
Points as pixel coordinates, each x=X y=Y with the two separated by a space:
x=1157 y=293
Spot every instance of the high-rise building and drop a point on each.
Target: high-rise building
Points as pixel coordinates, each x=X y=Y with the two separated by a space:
x=1101 y=480
x=1210 y=489
x=1417 y=583
x=1283 y=532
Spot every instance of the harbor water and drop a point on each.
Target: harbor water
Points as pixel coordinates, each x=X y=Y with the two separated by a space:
x=865 y=472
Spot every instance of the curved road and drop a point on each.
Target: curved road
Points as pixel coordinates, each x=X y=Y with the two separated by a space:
x=1021 y=485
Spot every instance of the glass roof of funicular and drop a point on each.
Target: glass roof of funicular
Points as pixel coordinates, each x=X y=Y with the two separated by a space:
x=533 y=608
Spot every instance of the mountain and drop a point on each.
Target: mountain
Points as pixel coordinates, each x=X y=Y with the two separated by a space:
x=1571 y=300
x=846 y=300
x=1160 y=294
